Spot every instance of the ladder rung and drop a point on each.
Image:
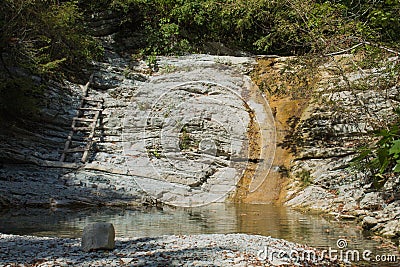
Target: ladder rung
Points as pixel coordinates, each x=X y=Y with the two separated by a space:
x=82 y=128
x=94 y=109
x=93 y=99
x=83 y=119
x=94 y=106
x=75 y=149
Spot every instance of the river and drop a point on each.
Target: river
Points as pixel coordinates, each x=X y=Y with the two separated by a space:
x=268 y=220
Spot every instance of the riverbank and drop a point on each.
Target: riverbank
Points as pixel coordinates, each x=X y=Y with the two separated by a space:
x=186 y=250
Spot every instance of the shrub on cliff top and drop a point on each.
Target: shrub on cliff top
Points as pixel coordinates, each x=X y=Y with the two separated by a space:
x=262 y=26
x=44 y=36
x=39 y=37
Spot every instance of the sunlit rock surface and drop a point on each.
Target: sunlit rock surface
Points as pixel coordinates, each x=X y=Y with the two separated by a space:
x=178 y=136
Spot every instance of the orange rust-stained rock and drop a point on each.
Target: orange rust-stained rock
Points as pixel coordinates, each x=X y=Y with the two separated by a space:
x=287 y=108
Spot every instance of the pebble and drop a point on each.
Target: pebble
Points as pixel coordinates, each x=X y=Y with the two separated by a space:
x=126 y=260
x=193 y=250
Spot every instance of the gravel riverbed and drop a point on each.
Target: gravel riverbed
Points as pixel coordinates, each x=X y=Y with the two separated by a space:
x=190 y=250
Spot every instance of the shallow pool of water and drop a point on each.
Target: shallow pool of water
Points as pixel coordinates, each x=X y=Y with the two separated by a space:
x=267 y=220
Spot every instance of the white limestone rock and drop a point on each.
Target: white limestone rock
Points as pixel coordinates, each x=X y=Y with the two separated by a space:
x=98 y=236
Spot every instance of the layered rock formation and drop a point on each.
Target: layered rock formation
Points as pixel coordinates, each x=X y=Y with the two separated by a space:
x=197 y=131
x=321 y=136
x=179 y=136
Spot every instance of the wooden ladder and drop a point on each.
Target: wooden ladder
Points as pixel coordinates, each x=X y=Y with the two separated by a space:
x=88 y=115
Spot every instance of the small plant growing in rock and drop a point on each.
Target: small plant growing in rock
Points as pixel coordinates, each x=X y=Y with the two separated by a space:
x=169 y=68
x=383 y=157
x=305 y=177
x=184 y=139
x=156 y=154
x=151 y=61
x=127 y=73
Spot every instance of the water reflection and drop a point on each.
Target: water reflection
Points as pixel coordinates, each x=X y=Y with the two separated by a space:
x=265 y=220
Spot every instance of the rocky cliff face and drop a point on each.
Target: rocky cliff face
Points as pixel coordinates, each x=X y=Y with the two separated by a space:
x=197 y=131
x=31 y=173
x=179 y=136
x=322 y=138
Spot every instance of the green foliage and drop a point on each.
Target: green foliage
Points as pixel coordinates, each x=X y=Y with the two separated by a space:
x=156 y=154
x=383 y=157
x=151 y=61
x=44 y=36
x=50 y=34
x=185 y=140
x=41 y=37
x=381 y=19
x=261 y=26
x=305 y=177
x=19 y=98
